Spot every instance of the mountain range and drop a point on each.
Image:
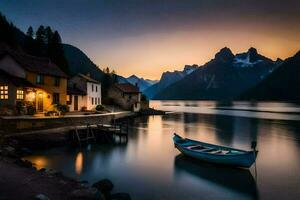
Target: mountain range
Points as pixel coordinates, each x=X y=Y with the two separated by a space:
x=223 y=78
x=142 y=83
x=167 y=79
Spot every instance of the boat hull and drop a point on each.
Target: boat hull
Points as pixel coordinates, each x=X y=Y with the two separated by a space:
x=245 y=159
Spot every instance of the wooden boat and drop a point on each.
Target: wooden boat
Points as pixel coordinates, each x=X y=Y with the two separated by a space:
x=215 y=153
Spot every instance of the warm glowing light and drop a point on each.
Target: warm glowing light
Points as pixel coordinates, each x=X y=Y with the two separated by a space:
x=39 y=162
x=30 y=96
x=79 y=163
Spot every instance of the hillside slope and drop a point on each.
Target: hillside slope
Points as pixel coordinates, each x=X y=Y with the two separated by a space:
x=283 y=84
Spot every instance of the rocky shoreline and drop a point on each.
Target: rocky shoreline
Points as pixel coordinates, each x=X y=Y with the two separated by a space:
x=20 y=179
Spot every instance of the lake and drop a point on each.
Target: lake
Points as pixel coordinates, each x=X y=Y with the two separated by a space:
x=149 y=167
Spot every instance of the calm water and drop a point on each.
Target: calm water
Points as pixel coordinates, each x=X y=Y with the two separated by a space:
x=149 y=167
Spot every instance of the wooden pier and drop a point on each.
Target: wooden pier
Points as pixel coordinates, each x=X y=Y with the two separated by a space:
x=79 y=130
x=100 y=133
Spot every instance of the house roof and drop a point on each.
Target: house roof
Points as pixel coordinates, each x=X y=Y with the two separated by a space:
x=35 y=64
x=88 y=78
x=18 y=82
x=75 y=91
x=127 y=88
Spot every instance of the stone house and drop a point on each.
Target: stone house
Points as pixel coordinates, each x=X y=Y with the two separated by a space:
x=126 y=95
x=84 y=93
x=31 y=80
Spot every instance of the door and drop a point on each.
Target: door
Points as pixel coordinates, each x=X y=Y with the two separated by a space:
x=75 y=102
x=40 y=102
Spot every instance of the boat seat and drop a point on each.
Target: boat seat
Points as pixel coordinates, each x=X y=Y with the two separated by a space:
x=207 y=150
x=197 y=147
x=216 y=152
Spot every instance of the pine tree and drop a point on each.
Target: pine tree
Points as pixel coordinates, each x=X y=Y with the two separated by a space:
x=56 y=52
x=30 y=32
x=48 y=34
x=40 y=34
x=29 y=43
x=6 y=31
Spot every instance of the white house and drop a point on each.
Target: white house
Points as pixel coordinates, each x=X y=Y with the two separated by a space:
x=84 y=93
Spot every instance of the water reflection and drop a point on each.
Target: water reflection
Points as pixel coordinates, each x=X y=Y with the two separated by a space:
x=237 y=180
x=146 y=166
x=79 y=163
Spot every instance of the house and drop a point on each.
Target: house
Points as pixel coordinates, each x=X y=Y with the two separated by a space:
x=32 y=81
x=126 y=95
x=84 y=93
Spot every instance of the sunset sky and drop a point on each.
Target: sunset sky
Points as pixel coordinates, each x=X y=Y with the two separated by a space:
x=147 y=37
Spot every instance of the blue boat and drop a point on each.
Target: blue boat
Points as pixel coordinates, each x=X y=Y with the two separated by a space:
x=215 y=153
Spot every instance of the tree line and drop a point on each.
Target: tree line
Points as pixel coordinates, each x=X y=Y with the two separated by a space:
x=44 y=42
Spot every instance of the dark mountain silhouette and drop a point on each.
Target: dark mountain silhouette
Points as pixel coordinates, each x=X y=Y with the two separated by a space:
x=168 y=78
x=223 y=78
x=79 y=62
x=141 y=82
x=283 y=84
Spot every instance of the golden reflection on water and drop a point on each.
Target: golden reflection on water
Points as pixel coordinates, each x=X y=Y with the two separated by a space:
x=79 y=163
x=40 y=162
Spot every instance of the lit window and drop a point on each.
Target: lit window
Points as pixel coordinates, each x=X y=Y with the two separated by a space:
x=20 y=94
x=3 y=92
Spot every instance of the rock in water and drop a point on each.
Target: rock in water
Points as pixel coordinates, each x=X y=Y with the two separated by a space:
x=41 y=197
x=86 y=194
x=104 y=185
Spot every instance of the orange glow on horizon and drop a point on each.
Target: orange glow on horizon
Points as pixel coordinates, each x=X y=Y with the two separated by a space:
x=150 y=55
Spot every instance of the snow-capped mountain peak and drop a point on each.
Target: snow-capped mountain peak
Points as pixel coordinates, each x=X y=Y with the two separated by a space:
x=243 y=61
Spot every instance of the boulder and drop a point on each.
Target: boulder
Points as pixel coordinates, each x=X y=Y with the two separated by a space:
x=104 y=185
x=9 y=151
x=24 y=163
x=86 y=194
x=41 y=197
x=42 y=170
x=120 y=196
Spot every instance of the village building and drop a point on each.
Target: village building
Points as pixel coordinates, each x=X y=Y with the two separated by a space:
x=126 y=95
x=84 y=93
x=31 y=81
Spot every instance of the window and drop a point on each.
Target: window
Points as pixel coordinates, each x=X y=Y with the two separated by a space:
x=92 y=88
x=56 y=81
x=40 y=79
x=3 y=92
x=55 y=98
x=96 y=88
x=20 y=94
x=92 y=101
x=69 y=99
